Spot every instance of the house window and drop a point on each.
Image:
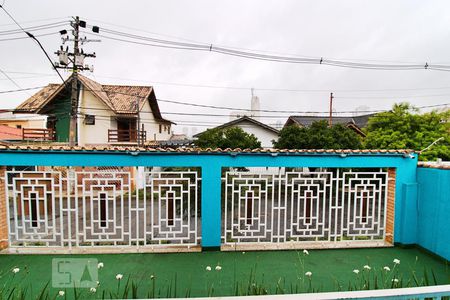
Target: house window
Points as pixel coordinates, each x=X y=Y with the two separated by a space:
x=160 y=128
x=89 y=120
x=19 y=126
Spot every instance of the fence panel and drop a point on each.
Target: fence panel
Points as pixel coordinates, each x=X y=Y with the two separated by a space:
x=304 y=208
x=121 y=209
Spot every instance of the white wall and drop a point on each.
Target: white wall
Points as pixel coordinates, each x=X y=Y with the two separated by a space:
x=152 y=127
x=265 y=136
x=104 y=120
x=98 y=133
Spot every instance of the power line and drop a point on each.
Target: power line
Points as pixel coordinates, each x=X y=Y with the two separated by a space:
x=243 y=109
x=10 y=79
x=35 y=39
x=21 y=90
x=29 y=77
x=33 y=28
x=35 y=21
x=165 y=43
x=152 y=82
x=26 y=37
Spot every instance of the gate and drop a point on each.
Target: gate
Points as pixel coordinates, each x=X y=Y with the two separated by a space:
x=287 y=208
x=110 y=209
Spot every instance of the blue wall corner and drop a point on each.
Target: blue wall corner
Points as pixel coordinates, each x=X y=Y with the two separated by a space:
x=434 y=211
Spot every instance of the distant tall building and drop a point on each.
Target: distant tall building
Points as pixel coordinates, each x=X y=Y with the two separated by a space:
x=255 y=107
x=254 y=111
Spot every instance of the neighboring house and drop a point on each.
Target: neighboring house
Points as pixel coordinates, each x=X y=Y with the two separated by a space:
x=177 y=141
x=355 y=123
x=23 y=126
x=8 y=133
x=264 y=133
x=107 y=114
x=10 y=119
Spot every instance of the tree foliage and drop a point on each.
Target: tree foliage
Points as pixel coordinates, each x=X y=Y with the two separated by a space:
x=232 y=137
x=404 y=128
x=318 y=136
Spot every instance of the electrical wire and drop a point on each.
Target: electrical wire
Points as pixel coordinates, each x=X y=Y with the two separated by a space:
x=21 y=90
x=165 y=43
x=26 y=37
x=10 y=79
x=36 y=40
x=241 y=109
x=151 y=82
x=37 y=21
x=34 y=28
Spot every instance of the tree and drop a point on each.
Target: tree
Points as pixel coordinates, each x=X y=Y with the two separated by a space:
x=318 y=136
x=404 y=128
x=232 y=137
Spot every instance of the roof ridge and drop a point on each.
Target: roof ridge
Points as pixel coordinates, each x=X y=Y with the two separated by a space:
x=124 y=85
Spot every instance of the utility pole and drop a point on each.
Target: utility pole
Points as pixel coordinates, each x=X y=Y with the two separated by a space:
x=138 y=121
x=330 y=121
x=74 y=61
x=74 y=90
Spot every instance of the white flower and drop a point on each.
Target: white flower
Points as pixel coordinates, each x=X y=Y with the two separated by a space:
x=386 y=268
x=397 y=261
x=356 y=271
x=152 y=277
x=243 y=252
x=208 y=268
x=61 y=293
x=98 y=283
x=15 y=270
x=218 y=268
x=119 y=276
x=305 y=252
x=367 y=267
x=93 y=290
x=308 y=274
x=100 y=265
x=395 y=280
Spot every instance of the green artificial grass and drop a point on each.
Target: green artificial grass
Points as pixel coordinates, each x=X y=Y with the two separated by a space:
x=185 y=274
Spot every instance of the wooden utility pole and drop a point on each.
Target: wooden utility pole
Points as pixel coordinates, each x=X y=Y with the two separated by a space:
x=330 y=121
x=74 y=90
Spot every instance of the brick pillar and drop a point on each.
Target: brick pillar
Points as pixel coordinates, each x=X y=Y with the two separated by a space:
x=390 y=206
x=3 y=217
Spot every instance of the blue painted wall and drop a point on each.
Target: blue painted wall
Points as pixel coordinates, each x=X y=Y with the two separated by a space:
x=433 y=222
x=211 y=163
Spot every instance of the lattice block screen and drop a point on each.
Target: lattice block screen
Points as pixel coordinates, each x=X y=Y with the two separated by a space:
x=304 y=206
x=107 y=206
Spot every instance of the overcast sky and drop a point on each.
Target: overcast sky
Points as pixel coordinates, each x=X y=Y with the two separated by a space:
x=366 y=31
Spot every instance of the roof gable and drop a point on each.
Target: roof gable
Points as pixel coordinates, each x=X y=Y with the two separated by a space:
x=121 y=99
x=241 y=120
x=359 y=121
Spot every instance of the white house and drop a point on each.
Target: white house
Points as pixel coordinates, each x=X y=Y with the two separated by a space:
x=107 y=114
x=264 y=133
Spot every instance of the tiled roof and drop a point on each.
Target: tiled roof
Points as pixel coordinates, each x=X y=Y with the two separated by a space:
x=434 y=165
x=36 y=101
x=119 y=98
x=360 y=121
x=198 y=150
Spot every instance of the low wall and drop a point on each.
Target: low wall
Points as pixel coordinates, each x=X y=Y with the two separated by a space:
x=433 y=207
